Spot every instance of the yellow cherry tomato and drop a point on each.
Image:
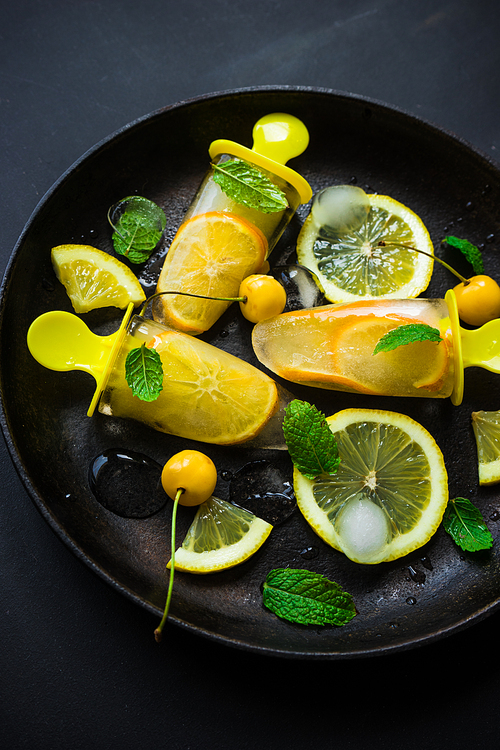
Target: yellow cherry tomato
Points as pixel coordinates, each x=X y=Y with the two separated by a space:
x=194 y=473
x=265 y=297
x=478 y=301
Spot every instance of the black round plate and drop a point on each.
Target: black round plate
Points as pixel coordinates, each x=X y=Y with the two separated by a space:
x=163 y=156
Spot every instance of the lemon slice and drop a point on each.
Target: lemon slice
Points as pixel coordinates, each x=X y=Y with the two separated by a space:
x=210 y=255
x=390 y=492
x=221 y=536
x=353 y=265
x=93 y=278
x=208 y=394
x=486 y=426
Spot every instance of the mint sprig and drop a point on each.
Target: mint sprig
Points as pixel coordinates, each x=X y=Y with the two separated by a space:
x=144 y=373
x=307 y=598
x=406 y=334
x=310 y=442
x=464 y=522
x=248 y=186
x=469 y=251
x=138 y=225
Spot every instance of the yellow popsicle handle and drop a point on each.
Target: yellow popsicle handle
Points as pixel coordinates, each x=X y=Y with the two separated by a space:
x=61 y=341
x=276 y=138
x=280 y=137
x=481 y=346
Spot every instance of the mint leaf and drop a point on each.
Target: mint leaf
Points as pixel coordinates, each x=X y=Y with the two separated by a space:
x=310 y=442
x=248 y=186
x=465 y=524
x=144 y=373
x=470 y=251
x=307 y=598
x=406 y=334
x=138 y=225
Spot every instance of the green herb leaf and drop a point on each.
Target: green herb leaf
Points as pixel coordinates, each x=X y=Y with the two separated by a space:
x=465 y=524
x=144 y=373
x=138 y=225
x=307 y=598
x=248 y=186
x=407 y=334
x=470 y=251
x=310 y=442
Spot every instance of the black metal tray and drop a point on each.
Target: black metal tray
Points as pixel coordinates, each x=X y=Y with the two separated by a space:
x=163 y=156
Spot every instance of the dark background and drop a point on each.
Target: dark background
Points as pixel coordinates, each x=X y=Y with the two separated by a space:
x=78 y=668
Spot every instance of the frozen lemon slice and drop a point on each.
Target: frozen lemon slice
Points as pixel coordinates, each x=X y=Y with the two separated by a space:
x=387 y=372
x=486 y=426
x=210 y=255
x=208 y=394
x=389 y=494
x=221 y=536
x=93 y=278
x=352 y=265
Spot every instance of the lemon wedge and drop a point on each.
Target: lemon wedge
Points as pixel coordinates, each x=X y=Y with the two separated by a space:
x=389 y=494
x=486 y=426
x=221 y=536
x=352 y=265
x=94 y=279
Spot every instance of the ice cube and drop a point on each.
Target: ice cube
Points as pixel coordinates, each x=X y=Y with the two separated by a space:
x=339 y=209
x=363 y=528
x=302 y=290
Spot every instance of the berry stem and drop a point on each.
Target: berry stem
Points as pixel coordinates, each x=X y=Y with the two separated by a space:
x=159 y=629
x=191 y=294
x=464 y=281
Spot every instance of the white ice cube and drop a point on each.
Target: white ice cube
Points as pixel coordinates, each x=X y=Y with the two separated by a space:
x=363 y=528
x=340 y=208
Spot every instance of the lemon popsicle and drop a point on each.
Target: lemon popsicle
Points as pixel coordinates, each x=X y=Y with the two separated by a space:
x=207 y=394
x=239 y=212
x=332 y=347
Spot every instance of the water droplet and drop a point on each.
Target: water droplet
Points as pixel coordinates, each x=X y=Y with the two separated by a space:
x=494 y=516
x=490 y=238
x=309 y=553
x=469 y=206
x=416 y=575
x=426 y=563
x=127 y=483
x=264 y=490
x=301 y=289
x=394 y=625
x=226 y=475
x=224 y=333
x=411 y=600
